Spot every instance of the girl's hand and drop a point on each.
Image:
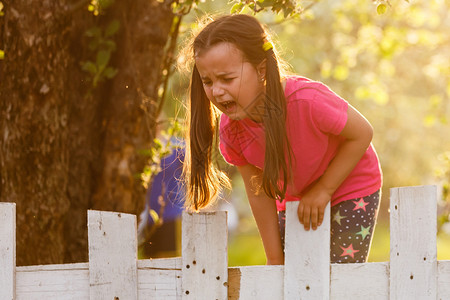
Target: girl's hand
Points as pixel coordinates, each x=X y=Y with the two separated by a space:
x=357 y=133
x=311 y=208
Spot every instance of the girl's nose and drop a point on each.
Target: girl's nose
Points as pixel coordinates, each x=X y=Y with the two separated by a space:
x=217 y=91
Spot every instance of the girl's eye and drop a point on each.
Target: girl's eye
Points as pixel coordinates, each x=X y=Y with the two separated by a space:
x=228 y=79
x=206 y=83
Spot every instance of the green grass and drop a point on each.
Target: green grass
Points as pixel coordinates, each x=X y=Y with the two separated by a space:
x=443 y=246
x=380 y=245
x=245 y=248
x=379 y=251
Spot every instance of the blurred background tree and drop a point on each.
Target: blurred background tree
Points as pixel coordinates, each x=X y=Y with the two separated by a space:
x=393 y=65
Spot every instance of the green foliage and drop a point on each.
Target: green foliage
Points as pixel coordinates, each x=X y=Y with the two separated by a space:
x=393 y=67
x=287 y=7
x=183 y=7
x=443 y=173
x=381 y=8
x=102 y=44
x=99 y=6
x=162 y=146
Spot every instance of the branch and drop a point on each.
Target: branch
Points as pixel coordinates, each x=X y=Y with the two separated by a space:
x=168 y=59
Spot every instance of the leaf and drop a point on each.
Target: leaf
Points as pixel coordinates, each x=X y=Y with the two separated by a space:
x=266 y=3
x=90 y=67
x=154 y=215
x=112 y=28
x=157 y=144
x=287 y=12
x=237 y=8
x=93 y=32
x=2 y=54
x=109 y=45
x=94 y=44
x=103 y=58
x=110 y=72
x=104 y=4
x=381 y=8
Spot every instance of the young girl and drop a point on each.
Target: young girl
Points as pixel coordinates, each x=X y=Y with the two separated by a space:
x=291 y=139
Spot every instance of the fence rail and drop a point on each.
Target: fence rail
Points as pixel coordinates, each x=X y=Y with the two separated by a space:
x=114 y=272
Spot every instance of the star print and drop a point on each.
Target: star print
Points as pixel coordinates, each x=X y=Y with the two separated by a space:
x=364 y=231
x=360 y=204
x=349 y=251
x=337 y=217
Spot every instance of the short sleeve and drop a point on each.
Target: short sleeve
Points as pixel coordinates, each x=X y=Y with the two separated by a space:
x=329 y=110
x=230 y=142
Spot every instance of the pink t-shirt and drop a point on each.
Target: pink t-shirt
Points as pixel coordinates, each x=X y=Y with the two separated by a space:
x=315 y=118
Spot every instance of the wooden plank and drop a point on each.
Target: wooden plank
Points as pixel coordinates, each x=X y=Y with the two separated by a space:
x=204 y=255
x=360 y=281
x=256 y=282
x=159 y=279
x=307 y=257
x=53 y=282
x=112 y=255
x=444 y=280
x=356 y=281
x=7 y=250
x=413 y=264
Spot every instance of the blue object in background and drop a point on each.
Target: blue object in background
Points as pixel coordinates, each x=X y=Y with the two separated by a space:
x=174 y=194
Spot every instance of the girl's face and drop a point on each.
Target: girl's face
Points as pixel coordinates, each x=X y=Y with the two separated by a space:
x=232 y=84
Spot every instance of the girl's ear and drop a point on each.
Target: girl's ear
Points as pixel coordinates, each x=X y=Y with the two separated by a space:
x=261 y=68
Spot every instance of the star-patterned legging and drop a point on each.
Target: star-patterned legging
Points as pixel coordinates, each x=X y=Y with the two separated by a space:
x=352 y=225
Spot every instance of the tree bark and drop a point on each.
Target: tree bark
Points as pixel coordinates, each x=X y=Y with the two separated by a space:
x=64 y=150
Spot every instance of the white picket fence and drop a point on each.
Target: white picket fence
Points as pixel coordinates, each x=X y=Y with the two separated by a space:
x=115 y=273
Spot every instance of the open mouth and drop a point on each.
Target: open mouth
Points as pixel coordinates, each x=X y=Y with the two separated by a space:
x=228 y=105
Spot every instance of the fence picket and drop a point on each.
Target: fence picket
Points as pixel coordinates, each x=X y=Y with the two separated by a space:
x=204 y=256
x=112 y=255
x=413 y=256
x=7 y=250
x=307 y=257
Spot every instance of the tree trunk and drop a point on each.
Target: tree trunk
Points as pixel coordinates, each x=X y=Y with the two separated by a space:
x=63 y=149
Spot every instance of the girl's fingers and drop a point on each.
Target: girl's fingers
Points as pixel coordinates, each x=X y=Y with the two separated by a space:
x=306 y=217
x=321 y=214
x=314 y=218
x=300 y=212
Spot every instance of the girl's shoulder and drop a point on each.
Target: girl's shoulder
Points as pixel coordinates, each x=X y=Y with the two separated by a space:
x=299 y=87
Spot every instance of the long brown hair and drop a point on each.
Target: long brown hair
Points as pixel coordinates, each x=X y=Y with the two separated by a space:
x=204 y=180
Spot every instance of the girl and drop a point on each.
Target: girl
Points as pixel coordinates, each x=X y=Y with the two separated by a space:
x=291 y=139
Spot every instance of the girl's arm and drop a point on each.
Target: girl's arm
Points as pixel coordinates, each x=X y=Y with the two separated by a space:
x=265 y=212
x=358 y=134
